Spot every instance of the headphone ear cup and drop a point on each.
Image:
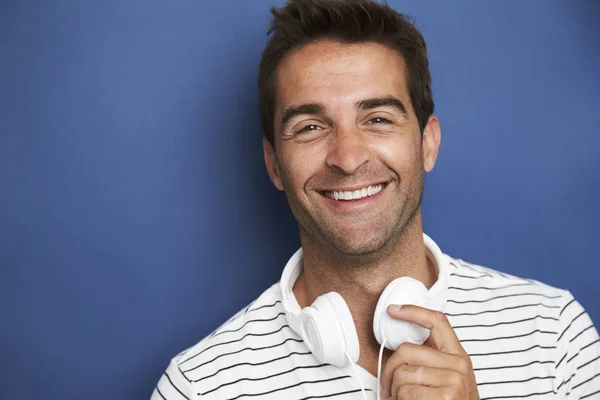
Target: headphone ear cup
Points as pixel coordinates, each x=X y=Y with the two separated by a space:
x=400 y=291
x=346 y=324
x=328 y=329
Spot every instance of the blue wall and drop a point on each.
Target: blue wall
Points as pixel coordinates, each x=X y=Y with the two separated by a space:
x=135 y=213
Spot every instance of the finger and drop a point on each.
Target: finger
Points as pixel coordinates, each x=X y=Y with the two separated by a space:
x=441 y=331
x=414 y=354
x=424 y=376
x=415 y=392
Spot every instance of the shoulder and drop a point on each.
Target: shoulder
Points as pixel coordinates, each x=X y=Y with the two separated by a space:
x=251 y=333
x=261 y=317
x=484 y=303
x=478 y=294
x=468 y=277
x=533 y=330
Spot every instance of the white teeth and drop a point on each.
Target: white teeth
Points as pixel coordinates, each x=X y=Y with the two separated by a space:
x=354 y=195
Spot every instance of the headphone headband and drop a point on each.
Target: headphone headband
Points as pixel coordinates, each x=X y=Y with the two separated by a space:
x=291 y=272
x=439 y=291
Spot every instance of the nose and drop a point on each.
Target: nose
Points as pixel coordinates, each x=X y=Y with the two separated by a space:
x=348 y=151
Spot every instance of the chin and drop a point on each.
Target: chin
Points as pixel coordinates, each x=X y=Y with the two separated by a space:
x=358 y=246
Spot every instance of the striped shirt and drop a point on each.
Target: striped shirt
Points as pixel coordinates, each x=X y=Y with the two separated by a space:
x=525 y=340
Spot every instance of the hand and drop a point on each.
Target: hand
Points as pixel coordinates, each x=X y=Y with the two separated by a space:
x=438 y=369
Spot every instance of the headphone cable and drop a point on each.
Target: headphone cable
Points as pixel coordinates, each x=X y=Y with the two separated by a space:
x=379 y=363
x=362 y=387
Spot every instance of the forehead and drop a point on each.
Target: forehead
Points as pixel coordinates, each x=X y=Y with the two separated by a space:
x=333 y=73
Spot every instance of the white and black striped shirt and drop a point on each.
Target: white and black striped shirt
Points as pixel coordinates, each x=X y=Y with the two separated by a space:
x=526 y=340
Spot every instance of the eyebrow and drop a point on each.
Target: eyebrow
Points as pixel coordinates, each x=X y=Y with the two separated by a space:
x=389 y=101
x=319 y=108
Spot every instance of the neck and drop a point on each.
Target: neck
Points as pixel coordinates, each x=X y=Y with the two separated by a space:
x=361 y=283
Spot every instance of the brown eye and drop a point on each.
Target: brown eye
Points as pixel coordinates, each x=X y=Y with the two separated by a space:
x=309 y=128
x=380 y=120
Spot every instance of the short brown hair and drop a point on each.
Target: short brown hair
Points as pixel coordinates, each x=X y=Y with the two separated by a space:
x=301 y=22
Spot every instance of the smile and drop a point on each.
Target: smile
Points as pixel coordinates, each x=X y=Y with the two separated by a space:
x=354 y=194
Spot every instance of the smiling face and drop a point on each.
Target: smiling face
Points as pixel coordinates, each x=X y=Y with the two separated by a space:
x=348 y=150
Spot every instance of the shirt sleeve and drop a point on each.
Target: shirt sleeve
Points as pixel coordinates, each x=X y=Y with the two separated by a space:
x=173 y=385
x=577 y=367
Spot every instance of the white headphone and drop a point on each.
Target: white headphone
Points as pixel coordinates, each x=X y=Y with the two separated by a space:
x=327 y=327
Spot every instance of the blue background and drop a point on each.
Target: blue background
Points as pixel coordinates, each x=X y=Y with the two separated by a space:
x=135 y=211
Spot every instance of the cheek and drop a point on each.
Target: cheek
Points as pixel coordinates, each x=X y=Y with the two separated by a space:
x=300 y=164
x=399 y=153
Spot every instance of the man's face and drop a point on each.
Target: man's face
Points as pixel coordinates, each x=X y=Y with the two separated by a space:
x=349 y=153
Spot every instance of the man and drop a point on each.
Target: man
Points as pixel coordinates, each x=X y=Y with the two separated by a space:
x=347 y=113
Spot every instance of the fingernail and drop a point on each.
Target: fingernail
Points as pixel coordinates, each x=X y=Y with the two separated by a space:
x=395 y=308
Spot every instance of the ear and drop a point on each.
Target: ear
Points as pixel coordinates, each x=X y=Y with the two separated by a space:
x=432 y=137
x=271 y=164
